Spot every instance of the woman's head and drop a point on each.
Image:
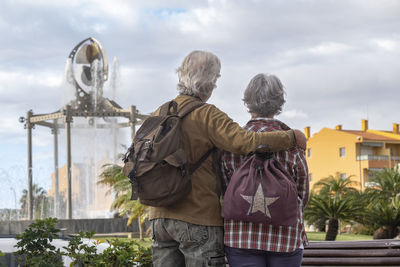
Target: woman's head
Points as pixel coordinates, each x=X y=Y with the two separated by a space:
x=264 y=96
x=198 y=74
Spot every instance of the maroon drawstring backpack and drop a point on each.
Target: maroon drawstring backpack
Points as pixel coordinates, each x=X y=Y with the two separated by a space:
x=261 y=191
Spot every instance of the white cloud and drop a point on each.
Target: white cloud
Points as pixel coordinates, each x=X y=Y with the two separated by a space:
x=125 y=12
x=99 y=28
x=334 y=57
x=390 y=45
x=330 y=48
x=10 y=126
x=29 y=78
x=292 y=113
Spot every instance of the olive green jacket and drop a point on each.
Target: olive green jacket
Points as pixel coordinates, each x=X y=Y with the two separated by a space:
x=204 y=128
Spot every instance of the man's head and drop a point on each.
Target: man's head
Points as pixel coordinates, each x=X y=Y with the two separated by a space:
x=198 y=74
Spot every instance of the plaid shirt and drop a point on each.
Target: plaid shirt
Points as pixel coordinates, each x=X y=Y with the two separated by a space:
x=248 y=235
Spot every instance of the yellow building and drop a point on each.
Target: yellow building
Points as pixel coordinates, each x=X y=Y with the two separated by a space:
x=356 y=153
x=89 y=199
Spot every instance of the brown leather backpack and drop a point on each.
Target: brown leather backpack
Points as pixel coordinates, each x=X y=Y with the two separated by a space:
x=156 y=163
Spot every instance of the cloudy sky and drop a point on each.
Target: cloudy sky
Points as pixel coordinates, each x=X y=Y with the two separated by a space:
x=339 y=61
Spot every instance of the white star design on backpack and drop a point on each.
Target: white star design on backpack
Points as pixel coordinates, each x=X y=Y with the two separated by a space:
x=260 y=202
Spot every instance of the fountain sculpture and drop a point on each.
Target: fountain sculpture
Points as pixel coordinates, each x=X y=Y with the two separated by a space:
x=86 y=71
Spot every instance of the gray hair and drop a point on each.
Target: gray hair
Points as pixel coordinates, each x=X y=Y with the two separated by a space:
x=198 y=73
x=264 y=96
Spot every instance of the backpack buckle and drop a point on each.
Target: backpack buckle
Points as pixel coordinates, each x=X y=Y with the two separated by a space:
x=183 y=170
x=129 y=152
x=132 y=175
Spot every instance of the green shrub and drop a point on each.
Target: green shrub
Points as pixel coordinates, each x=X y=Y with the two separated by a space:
x=34 y=245
x=81 y=253
x=120 y=253
x=35 y=249
x=360 y=229
x=1 y=255
x=126 y=253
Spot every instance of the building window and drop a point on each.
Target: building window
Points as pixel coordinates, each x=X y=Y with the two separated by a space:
x=310 y=177
x=343 y=176
x=309 y=152
x=342 y=152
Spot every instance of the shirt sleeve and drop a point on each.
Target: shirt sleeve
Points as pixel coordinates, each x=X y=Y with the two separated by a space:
x=229 y=164
x=301 y=174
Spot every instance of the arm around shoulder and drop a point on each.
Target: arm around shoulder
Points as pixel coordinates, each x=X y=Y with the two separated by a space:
x=277 y=141
x=282 y=140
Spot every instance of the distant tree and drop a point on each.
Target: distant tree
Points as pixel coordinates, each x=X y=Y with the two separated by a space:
x=333 y=199
x=113 y=177
x=384 y=217
x=9 y=214
x=385 y=184
x=383 y=204
x=41 y=205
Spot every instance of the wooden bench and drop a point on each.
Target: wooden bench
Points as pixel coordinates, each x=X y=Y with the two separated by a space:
x=384 y=252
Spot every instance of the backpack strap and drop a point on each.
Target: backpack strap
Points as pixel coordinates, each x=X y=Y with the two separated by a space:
x=182 y=113
x=193 y=167
x=189 y=108
x=165 y=109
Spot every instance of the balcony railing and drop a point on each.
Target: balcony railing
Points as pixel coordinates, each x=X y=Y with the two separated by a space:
x=372 y=157
x=378 y=157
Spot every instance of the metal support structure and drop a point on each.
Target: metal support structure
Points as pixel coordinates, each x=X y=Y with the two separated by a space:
x=56 y=193
x=44 y=117
x=114 y=135
x=132 y=121
x=30 y=196
x=68 y=120
x=67 y=113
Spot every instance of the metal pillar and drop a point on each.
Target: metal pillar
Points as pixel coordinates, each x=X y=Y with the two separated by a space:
x=30 y=196
x=56 y=193
x=114 y=134
x=132 y=120
x=68 y=120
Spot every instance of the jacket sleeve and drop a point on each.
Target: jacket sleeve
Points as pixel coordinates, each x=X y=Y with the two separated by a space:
x=226 y=134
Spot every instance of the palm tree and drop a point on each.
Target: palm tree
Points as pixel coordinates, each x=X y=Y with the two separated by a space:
x=383 y=209
x=40 y=202
x=113 y=177
x=385 y=217
x=335 y=201
x=336 y=185
x=386 y=184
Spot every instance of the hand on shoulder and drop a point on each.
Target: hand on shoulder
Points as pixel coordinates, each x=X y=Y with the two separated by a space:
x=301 y=140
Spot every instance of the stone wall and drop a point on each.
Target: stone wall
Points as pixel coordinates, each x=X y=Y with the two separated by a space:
x=112 y=225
